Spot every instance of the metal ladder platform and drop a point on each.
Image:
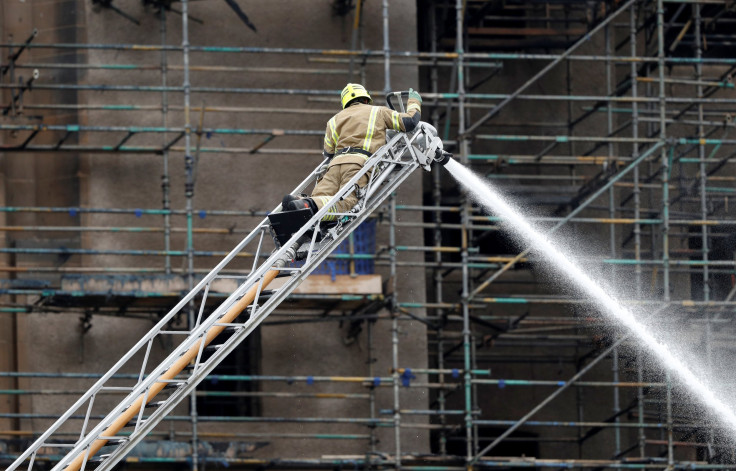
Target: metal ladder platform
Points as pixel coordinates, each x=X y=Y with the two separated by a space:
x=187 y=365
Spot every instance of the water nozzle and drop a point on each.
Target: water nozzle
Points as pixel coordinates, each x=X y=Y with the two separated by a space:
x=442 y=157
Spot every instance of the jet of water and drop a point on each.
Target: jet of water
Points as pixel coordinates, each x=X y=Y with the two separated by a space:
x=542 y=244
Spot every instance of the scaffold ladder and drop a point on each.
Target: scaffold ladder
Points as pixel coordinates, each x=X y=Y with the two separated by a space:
x=127 y=423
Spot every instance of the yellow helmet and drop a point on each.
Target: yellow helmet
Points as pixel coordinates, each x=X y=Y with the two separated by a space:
x=353 y=91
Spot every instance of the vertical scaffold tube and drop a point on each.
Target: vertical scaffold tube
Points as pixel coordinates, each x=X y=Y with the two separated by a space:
x=465 y=219
x=705 y=245
x=395 y=331
x=437 y=216
x=666 y=169
x=386 y=51
x=189 y=194
x=665 y=151
x=165 y=182
x=641 y=435
x=612 y=231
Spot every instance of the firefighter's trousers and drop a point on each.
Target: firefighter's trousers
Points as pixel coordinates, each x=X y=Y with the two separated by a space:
x=337 y=176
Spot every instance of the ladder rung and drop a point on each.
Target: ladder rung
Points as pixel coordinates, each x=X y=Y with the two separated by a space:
x=176 y=332
x=155 y=404
x=172 y=382
x=116 y=388
x=212 y=348
x=113 y=439
x=59 y=445
x=229 y=326
x=132 y=422
x=267 y=293
x=98 y=458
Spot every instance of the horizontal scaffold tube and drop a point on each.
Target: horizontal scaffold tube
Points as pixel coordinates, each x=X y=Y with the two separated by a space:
x=368 y=422
x=331 y=93
x=375 y=53
x=155 y=129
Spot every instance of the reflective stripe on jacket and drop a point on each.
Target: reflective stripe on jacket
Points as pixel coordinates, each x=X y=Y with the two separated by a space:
x=364 y=127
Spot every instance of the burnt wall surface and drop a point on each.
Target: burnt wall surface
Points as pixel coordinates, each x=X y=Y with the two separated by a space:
x=226 y=181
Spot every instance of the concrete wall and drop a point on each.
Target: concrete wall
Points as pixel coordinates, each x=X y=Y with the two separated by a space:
x=37 y=179
x=232 y=181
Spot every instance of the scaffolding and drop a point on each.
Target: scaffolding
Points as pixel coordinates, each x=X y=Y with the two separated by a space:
x=611 y=120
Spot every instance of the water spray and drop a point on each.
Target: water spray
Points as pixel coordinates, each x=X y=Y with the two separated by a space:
x=488 y=197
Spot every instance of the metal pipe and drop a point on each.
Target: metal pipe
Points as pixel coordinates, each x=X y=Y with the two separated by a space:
x=394 y=306
x=465 y=233
x=165 y=182
x=641 y=432
x=324 y=95
x=663 y=153
x=437 y=233
x=549 y=399
x=378 y=54
x=189 y=196
x=612 y=240
x=548 y=67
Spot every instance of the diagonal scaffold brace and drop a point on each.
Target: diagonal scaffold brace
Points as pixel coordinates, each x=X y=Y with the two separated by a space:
x=126 y=424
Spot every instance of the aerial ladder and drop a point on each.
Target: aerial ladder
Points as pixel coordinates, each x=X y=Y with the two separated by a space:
x=298 y=235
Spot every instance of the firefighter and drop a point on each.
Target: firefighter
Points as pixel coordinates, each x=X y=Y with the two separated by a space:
x=352 y=136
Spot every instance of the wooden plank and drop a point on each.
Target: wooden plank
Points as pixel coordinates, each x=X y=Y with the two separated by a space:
x=343 y=284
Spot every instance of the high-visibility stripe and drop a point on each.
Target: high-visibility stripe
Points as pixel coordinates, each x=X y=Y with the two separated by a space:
x=325 y=200
x=395 y=119
x=333 y=130
x=371 y=128
x=413 y=106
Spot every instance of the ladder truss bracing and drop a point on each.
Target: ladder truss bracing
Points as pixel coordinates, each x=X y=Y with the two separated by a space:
x=613 y=120
x=242 y=312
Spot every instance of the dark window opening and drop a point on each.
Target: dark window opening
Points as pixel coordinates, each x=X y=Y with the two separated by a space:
x=226 y=397
x=517 y=444
x=721 y=280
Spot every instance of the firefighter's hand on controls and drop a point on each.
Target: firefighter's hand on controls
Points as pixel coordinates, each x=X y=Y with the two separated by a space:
x=413 y=94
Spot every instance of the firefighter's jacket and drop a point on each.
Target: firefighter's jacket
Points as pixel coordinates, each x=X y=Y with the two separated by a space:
x=364 y=127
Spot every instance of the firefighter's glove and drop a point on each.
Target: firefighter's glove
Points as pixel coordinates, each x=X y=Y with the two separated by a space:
x=415 y=95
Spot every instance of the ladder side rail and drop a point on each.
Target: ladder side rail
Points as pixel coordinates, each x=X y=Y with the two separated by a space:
x=377 y=184
x=154 y=376
x=252 y=323
x=397 y=161
x=381 y=194
x=38 y=443
x=195 y=336
x=95 y=388
x=357 y=218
